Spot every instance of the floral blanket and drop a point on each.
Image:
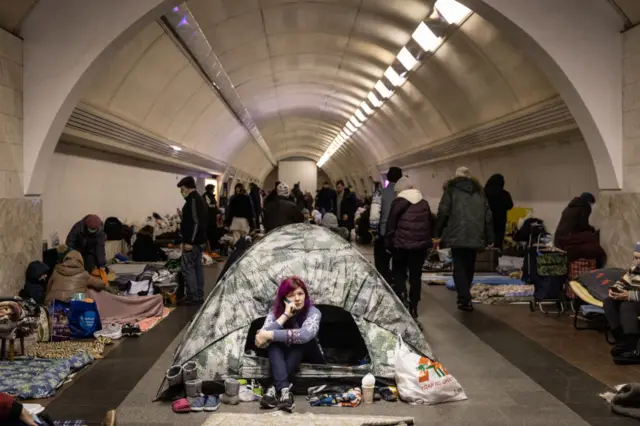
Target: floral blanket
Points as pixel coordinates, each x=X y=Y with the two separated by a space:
x=34 y=378
x=494 y=294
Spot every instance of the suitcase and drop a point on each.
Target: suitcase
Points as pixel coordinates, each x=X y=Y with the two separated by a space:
x=487 y=261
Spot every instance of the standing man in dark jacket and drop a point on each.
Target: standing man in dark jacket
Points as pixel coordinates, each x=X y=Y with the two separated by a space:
x=465 y=225
x=282 y=211
x=325 y=200
x=500 y=203
x=212 y=215
x=380 y=208
x=88 y=237
x=256 y=200
x=345 y=206
x=409 y=232
x=193 y=229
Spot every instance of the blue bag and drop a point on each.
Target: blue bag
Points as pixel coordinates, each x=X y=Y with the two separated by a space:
x=84 y=319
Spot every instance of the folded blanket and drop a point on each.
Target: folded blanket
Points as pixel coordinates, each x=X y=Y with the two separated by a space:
x=126 y=309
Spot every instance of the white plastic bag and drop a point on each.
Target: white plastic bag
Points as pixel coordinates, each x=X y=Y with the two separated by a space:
x=421 y=381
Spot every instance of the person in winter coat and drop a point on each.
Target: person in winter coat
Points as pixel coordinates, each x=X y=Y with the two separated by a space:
x=240 y=213
x=500 y=203
x=256 y=200
x=408 y=234
x=308 y=201
x=297 y=193
x=465 y=225
x=35 y=286
x=213 y=212
x=273 y=194
x=330 y=221
x=380 y=208
x=88 y=237
x=282 y=211
x=345 y=206
x=193 y=230
x=69 y=278
x=621 y=309
x=145 y=248
x=325 y=200
x=576 y=236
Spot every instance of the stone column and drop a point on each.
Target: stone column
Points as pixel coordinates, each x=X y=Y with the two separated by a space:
x=617 y=214
x=20 y=217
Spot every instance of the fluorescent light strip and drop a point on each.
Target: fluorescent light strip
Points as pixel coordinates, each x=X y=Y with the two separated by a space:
x=394 y=77
x=407 y=59
x=426 y=38
x=366 y=108
x=383 y=90
x=374 y=100
x=452 y=11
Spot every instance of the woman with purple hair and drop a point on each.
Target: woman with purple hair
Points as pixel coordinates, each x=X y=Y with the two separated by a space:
x=290 y=335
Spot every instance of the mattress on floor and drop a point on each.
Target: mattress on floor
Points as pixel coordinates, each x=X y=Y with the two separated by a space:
x=501 y=294
x=489 y=280
x=35 y=378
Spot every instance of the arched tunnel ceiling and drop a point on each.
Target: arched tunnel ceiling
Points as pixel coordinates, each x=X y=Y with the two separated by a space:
x=302 y=68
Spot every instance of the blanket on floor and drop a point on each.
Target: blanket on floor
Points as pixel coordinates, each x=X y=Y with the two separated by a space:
x=34 y=378
x=126 y=309
x=67 y=349
x=488 y=280
x=148 y=323
x=494 y=294
x=279 y=418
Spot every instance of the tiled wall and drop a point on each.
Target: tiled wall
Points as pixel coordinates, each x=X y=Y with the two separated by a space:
x=20 y=217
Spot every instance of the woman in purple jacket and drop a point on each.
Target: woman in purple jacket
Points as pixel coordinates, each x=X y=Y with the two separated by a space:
x=290 y=334
x=409 y=231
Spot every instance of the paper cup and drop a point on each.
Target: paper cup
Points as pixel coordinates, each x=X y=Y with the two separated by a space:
x=367 y=394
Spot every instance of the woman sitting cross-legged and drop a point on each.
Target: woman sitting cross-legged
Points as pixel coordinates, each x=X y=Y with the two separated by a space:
x=290 y=335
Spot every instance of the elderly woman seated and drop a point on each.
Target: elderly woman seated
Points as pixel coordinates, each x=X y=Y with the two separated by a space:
x=622 y=308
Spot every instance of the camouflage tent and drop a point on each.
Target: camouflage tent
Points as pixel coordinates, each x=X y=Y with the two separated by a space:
x=339 y=278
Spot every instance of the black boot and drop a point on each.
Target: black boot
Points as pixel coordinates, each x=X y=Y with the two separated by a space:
x=414 y=312
x=621 y=346
x=632 y=354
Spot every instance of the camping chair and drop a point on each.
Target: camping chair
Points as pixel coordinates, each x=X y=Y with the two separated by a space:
x=585 y=305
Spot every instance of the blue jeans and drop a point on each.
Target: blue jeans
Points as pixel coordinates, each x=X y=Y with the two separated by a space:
x=285 y=360
x=193 y=273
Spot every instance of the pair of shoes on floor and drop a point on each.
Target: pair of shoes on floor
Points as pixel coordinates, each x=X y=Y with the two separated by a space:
x=131 y=330
x=196 y=404
x=627 y=358
x=465 y=307
x=187 y=375
x=270 y=399
x=111 y=331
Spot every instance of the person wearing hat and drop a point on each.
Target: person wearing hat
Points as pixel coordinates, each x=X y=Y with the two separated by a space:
x=281 y=211
x=87 y=236
x=193 y=230
x=622 y=309
x=380 y=208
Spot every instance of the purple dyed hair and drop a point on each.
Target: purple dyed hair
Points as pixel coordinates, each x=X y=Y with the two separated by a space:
x=287 y=286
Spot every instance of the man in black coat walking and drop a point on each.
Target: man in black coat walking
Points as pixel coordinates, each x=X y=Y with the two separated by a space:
x=193 y=230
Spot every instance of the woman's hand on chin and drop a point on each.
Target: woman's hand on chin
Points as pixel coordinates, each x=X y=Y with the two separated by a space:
x=289 y=309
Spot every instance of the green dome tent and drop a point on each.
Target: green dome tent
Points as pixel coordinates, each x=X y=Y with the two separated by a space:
x=361 y=314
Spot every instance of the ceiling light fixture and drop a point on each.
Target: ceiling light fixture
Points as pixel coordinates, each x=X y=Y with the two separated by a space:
x=394 y=77
x=176 y=148
x=366 y=108
x=383 y=90
x=354 y=120
x=351 y=127
x=374 y=100
x=452 y=11
x=407 y=59
x=361 y=116
x=426 y=38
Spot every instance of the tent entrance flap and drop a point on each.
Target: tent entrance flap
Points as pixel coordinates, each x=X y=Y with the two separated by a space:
x=339 y=337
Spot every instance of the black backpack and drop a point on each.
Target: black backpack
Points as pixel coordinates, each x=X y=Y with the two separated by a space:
x=113 y=229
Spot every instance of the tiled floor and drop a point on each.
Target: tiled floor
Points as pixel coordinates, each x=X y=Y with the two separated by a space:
x=517 y=367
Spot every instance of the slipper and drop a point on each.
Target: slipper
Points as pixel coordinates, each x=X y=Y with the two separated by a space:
x=181 y=406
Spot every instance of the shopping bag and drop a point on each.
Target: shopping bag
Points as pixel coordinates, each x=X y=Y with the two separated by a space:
x=59 y=314
x=84 y=319
x=422 y=381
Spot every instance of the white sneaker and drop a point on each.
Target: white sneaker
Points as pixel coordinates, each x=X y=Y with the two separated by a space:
x=112 y=331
